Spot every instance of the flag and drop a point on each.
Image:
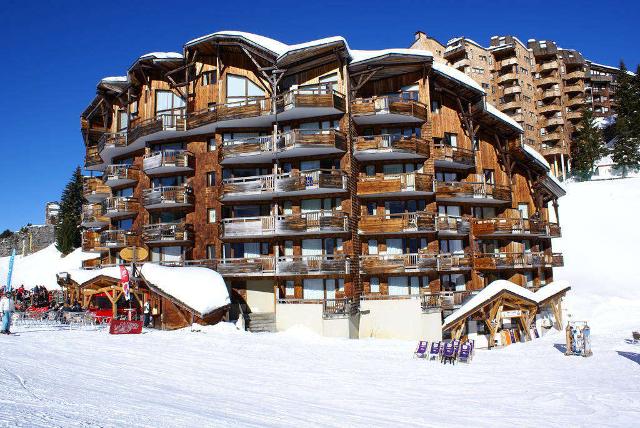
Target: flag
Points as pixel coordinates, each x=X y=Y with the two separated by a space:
x=13 y=256
x=124 y=280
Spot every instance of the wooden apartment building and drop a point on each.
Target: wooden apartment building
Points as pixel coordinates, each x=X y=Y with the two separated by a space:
x=316 y=178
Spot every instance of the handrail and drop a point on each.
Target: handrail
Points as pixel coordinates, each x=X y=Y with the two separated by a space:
x=321 y=263
x=398 y=222
x=120 y=172
x=168 y=157
x=454 y=154
x=392 y=142
x=167 y=231
x=168 y=195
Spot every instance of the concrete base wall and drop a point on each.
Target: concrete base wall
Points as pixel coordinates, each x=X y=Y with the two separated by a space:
x=399 y=319
x=260 y=296
x=310 y=316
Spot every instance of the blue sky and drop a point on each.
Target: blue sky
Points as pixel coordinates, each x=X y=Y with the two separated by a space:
x=54 y=52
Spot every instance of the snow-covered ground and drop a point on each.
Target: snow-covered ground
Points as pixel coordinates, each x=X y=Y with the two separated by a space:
x=220 y=376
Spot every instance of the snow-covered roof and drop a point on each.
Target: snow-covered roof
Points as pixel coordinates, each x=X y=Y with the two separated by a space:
x=359 y=56
x=457 y=75
x=114 y=79
x=492 y=110
x=81 y=276
x=536 y=156
x=278 y=48
x=453 y=43
x=41 y=267
x=161 y=55
x=557 y=182
x=199 y=288
x=500 y=286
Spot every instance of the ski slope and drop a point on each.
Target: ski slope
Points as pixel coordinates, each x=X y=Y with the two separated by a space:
x=220 y=376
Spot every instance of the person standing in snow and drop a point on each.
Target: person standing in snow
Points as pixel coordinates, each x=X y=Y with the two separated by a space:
x=6 y=307
x=147 y=313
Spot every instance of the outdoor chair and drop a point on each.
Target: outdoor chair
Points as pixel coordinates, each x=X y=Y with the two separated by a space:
x=449 y=353
x=421 y=351
x=465 y=353
x=636 y=336
x=436 y=349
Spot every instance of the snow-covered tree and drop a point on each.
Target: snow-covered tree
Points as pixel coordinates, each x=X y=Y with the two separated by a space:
x=68 y=235
x=588 y=146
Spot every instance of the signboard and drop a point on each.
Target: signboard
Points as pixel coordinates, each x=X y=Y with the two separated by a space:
x=125 y=327
x=128 y=254
x=511 y=314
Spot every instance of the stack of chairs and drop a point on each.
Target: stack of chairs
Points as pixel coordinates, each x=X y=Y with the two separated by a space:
x=447 y=351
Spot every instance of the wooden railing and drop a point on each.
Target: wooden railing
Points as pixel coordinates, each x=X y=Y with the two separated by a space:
x=311 y=138
x=320 y=95
x=163 y=121
x=246 y=266
x=393 y=143
x=120 y=205
x=473 y=189
x=306 y=265
x=315 y=221
x=121 y=172
x=242 y=109
x=247 y=146
x=95 y=189
x=337 y=308
x=90 y=240
x=169 y=195
x=516 y=260
x=330 y=179
x=248 y=226
x=112 y=140
x=160 y=232
x=168 y=158
x=93 y=213
x=397 y=263
x=454 y=262
x=118 y=239
x=421 y=221
x=92 y=156
x=389 y=104
x=392 y=183
x=444 y=152
x=509 y=226
x=453 y=224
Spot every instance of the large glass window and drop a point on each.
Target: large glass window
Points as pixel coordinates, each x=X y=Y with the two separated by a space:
x=240 y=88
x=168 y=102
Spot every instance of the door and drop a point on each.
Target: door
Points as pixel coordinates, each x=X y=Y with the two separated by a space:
x=394 y=246
x=398 y=286
x=311 y=205
x=313 y=289
x=331 y=288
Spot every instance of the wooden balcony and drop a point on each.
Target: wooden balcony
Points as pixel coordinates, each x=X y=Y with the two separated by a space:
x=545 y=81
x=310 y=101
x=550 y=108
x=391 y=185
x=452 y=225
x=600 y=77
x=170 y=121
x=508 y=260
x=461 y=64
x=515 y=89
x=168 y=162
x=120 y=207
x=248 y=150
x=509 y=62
x=496 y=227
x=551 y=93
x=552 y=150
x=397 y=263
x=249 y=266
x=575 y=101
x=166 y=197
x=510 y=105
x=337 y=264
x=453 y=157
x=576 y=88
x=97 y=263
x=449 y=300
x=309 y=223
x=550 y=65
x=90 y=241
x=92 y=157
x=94 y=189
x=472 y=191
x=168 y=234
x=310 y=142
x=449 y=262
x=578 y=74
x=112 y=140
x=93 y=216
x=574 y=115
x=120 y=175
x=319 y=181
x=242 y=112
x=388 y=109
x=553 y=121
x=551 y=136
x=118 y=239
x=381 y=147
x=507 y=77
x=416 y=222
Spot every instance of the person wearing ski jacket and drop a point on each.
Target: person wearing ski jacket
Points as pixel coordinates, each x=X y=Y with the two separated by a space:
x=7 y=308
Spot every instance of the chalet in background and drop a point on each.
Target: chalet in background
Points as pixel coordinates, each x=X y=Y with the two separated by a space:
x=360 y=193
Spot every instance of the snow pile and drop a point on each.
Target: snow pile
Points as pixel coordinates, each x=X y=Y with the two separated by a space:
x=201 y=289
x=599 y=243
x=41 y=267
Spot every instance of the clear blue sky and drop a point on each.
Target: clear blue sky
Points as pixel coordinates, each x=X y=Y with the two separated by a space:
x=54 y=53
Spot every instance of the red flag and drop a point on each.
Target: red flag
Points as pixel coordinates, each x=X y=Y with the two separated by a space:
x=124 y=280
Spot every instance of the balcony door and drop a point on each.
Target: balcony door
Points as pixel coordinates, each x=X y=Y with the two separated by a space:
x=311 y=205
x=398 y=286
x=312 y=247
x=394 y=246
x=313 y=288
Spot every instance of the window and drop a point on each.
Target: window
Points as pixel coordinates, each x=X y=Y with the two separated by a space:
x=373 y=246
x=208 y=78
x=450 y=139
x=211 y=145
x=454 y=246
x=374 y=284
x=370 y=170
x=211 y=178
x=211 y=252
x=435 y=106
x=134 y=109
x=122 y=120
x=523 y=207
x=241 y=89
x=211 y=215
x=168 y=102
x=453 y=282
x=330 y=79
x=528 y=276
x=398 y=286
x=289 y=289
x=489 y=176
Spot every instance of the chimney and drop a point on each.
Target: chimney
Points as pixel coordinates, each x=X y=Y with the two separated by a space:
x=420 y=35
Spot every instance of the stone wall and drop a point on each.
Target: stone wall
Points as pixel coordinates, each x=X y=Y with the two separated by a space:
x=41 y=237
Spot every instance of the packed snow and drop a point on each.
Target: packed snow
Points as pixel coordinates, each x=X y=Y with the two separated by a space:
x=202 y=289
x=219 y=376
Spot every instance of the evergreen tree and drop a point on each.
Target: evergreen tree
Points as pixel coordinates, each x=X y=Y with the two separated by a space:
x=587 y=147
x=626 y=149
x=68 y=235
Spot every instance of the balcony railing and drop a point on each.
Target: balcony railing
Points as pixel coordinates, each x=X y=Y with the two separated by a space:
x=507 y=77
x=515 y=89
x=449 y=224
x=310 y=222
x=94 y=189
x=168 y=196
x=314 y=96
x=395 y=183
x=392 y=143
x=551 y=136
x=330 y=180
x=338 y=308
x=246 y=266
x=421 y=221
x=551 y=93
x=243 y=109
x=313 y=265
x=450 y=262
x=167 y=233
x=459 y=155
x=118 y=239
x=574 y=115
x=553 y=121
x=163 y=121
x=93 y=216
x=509 y=226
x=549 y=80
x=551 y=65
x=92 y=156
x=554 y=149
x=507 y=106
x=389 y=104
x=117 y=175
x=574 y=88
x=310 y=138
x=120 y=206
x=167 y=161
x=578 y=74
x=575 y=101
x=514 y=260
x=247 y=146
x=90 y=241
x=549 y=108
x=110 y=140
x=397 y=263
x=471 y=189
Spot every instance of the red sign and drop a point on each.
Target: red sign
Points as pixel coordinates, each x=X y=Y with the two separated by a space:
x=124 y=280
x=125 y=327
